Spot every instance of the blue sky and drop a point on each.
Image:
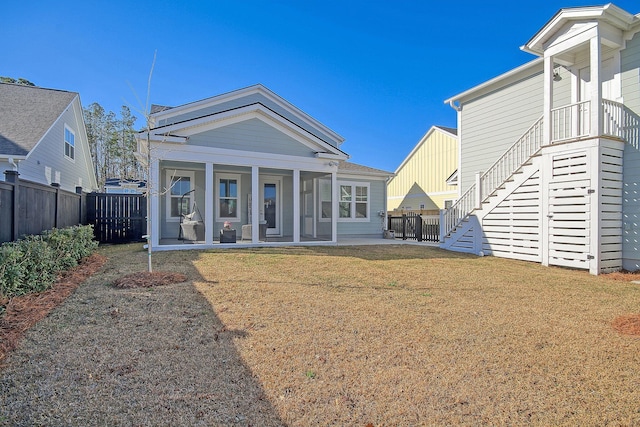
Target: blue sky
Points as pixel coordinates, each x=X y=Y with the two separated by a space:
x=376 y=72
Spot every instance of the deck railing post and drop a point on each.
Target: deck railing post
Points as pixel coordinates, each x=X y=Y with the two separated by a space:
x=478 y=190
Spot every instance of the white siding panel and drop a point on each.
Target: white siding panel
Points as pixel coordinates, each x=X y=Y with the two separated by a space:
x=492 y=123
x=512 y=228
x=247 y=100
x=47 y=164
x=252 y=135
x=630 y=68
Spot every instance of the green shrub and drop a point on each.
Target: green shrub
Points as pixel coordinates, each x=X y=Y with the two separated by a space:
x=32 y=263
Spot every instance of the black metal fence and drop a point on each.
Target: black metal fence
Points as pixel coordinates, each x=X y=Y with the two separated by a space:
x=117 y=218
x=30 y=208
x=423 y=228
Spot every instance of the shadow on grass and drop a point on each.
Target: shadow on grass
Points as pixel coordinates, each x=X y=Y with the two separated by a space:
x=366 y=252
x=143 y=356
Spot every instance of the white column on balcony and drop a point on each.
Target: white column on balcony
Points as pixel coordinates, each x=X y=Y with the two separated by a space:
x=154 y=178
x=547 y=124
x=255 y=203
x=334 y=206
x=208 y=203
x=296 y=205
x=596 y=85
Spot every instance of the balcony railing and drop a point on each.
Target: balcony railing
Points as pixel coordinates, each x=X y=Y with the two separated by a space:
x=498 y=173
x=613 y=118
x=570 y=121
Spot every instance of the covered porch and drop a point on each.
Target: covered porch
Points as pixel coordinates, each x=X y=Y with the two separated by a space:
x=203 y=204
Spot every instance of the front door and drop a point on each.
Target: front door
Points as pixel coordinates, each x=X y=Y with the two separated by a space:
x=270 y=204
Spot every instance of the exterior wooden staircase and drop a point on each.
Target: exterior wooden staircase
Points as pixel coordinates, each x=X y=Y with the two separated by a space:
x=558 y=203
x=508 y=171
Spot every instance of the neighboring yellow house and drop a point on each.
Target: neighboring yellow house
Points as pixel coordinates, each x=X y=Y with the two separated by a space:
x=427 y=179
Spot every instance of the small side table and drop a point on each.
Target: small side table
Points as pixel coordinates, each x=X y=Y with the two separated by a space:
x=228 y=235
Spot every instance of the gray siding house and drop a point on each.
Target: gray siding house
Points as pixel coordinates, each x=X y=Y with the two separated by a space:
x=42 y=136
x=253 y=161
x=549 y=151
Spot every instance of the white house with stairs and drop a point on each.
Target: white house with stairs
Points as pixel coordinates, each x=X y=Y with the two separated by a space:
x=550 y=151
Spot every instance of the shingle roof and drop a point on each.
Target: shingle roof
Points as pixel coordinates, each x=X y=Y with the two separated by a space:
x=452 y=131
x=26 y=114
x=360 y=169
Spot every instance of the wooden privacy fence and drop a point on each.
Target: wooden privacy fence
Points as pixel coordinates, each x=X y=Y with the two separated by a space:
x=423 y=228
x=30 y=208
x=117 y=218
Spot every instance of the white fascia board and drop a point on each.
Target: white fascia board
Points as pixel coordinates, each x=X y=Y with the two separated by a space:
x=257 y=111
x=12 y=156
x=77 y=109
x=501 y=80
x=240 y=93
x=199 y=154
x=609 y=13
x=330 y=156
x=363 y=175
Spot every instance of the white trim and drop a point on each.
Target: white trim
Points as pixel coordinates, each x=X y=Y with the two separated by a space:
x=277 y=180
x=208 y=204
x=200 y=154
x=240 y=93
x=179 y=132
x=65 y=143
x=353 y=202
x=77 y=112
x=514 y=75
x=238 y=177
x=170 y=174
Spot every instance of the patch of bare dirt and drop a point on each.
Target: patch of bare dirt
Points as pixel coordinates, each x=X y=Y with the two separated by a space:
x=624 y=275
x=146 y=280
x=628 y=324
x=24 y=311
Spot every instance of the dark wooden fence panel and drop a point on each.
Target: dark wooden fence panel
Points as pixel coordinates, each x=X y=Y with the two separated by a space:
x=423 y=228
x=36 y=208
x=30 y=208
x=117 y=218
x=6 y=212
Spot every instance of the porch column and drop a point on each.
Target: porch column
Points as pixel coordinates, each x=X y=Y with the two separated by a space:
x=209 y=188
x=154 y=178
x=547 y=124
x=334 y=206
x=255 y=204
x=596 y=86
x=296 y=205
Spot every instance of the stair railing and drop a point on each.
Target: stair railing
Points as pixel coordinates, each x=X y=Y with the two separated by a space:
x=512 y=159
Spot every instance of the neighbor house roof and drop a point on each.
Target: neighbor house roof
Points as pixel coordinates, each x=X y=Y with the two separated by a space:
x=26 y=114
x=349 y=167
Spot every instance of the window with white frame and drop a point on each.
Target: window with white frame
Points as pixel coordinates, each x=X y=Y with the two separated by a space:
x=353 y=201
x=69 y=143
x=179 y=195
x=228 y=197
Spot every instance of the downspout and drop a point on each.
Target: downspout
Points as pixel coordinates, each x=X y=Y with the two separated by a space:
x=13 y=163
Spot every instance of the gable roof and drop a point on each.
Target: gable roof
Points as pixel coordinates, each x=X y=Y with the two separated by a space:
x=451 y=131
x=609 y=13
x=26 y=114
x=256 y=94
x=618 y=18
x=177 y=124
x=350 y=167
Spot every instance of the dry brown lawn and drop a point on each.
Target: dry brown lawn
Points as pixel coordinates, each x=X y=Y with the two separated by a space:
x=371 y=335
